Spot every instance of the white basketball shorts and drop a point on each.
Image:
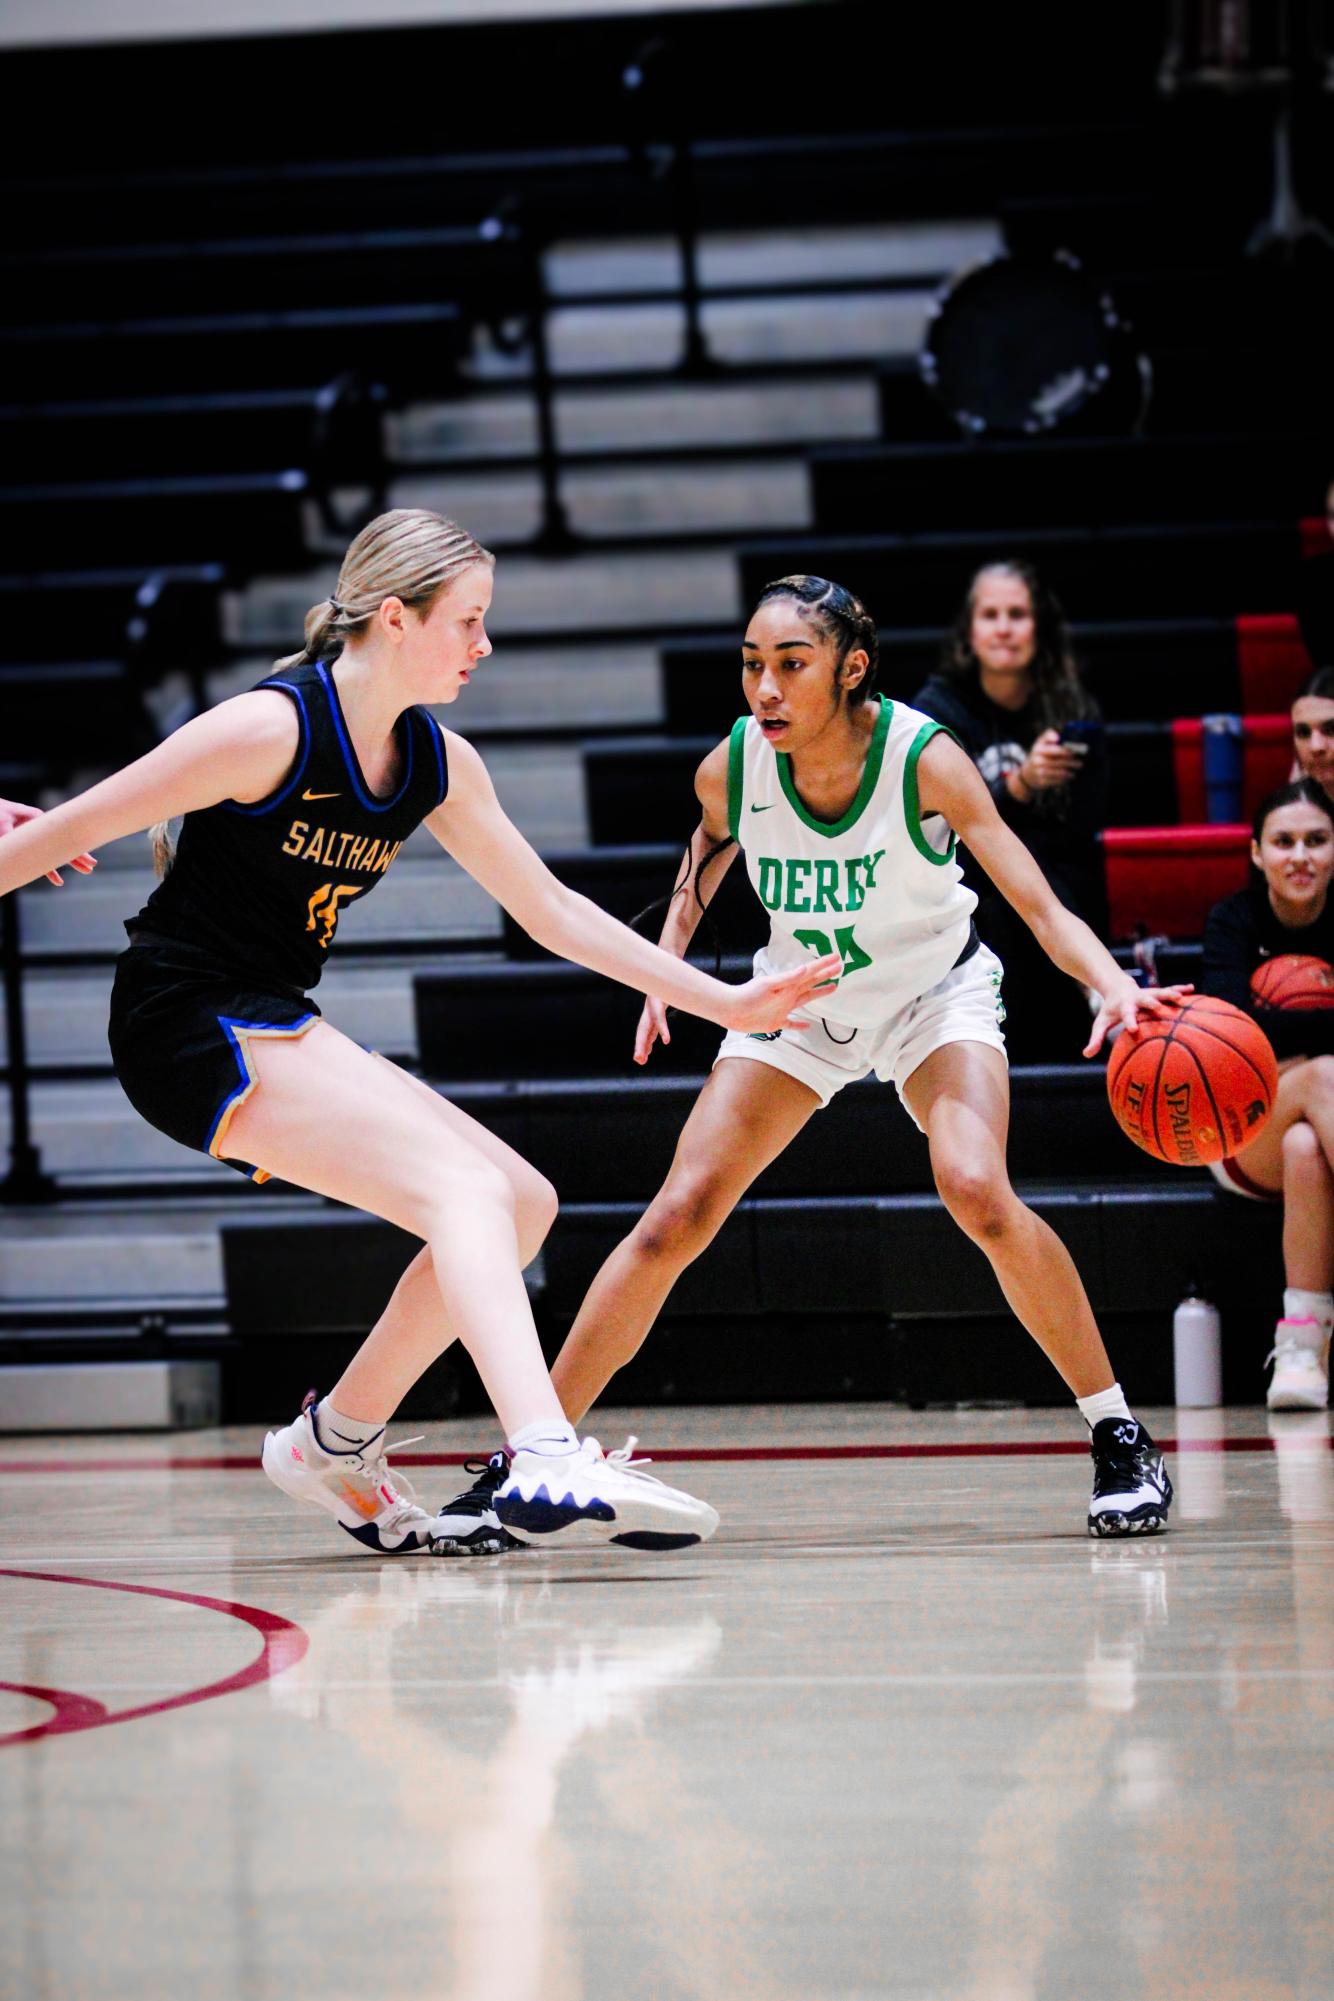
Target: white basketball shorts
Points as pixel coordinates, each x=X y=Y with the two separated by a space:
x=965 y=1006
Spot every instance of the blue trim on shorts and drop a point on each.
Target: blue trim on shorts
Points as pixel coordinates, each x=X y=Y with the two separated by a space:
x=229 y=1025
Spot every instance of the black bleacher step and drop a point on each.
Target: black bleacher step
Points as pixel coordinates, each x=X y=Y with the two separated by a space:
x=160 y=617
x=633 y=879
x=637 y=786
x=214 y=272
x=1138 y=1249
x=413 y=349
x=334 y=428
x=242 y=519
x=992 y=483
x=1189 y=386
x=79 y=713
x=1140 y=670
x=613 y=1133
x=1160 y=570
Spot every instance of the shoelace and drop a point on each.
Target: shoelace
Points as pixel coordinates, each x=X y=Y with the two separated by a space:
x=1290 y=1351
x=399 y=1485
x=623 y=1459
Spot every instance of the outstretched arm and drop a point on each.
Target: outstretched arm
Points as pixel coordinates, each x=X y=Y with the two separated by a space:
x=12 y=815
x=471 y=826
x=240 y=750
x=949 y=784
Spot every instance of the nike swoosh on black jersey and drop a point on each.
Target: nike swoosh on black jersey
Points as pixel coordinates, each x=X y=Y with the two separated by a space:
x=320 y=795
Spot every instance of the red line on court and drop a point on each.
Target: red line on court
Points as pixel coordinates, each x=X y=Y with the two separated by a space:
x=1039 y=1448
x=283 y=1645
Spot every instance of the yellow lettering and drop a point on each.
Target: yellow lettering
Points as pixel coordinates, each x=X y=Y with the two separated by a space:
x=357 y=851
x=296 y=834
x=387 y=856
x=315 y=852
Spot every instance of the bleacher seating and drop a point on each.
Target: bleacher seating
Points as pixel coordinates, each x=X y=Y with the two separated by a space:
x=202 y=336
x=1163 y=570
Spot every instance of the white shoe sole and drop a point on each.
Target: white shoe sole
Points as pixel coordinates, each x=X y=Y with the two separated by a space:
x=1296 y=1396
x=631 y=1521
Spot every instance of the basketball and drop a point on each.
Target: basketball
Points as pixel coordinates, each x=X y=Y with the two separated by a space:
x=1194 y=1085
x=1294 y=980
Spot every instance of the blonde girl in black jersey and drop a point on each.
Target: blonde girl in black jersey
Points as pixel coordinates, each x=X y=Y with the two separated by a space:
x=270 y=1085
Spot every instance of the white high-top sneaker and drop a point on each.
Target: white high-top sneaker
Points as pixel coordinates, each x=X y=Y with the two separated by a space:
x=1301 y=1371
x=590 y=1496
x=378 y=1509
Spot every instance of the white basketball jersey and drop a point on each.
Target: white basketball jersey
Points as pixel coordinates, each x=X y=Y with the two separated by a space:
x=877 y=886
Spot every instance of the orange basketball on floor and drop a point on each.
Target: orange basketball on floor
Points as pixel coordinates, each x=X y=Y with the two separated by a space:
x=1195 y=1085
x=1295 y=979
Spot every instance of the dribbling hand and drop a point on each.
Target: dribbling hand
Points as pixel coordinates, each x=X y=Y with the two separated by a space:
x=13 y=815
x=1123 y=1007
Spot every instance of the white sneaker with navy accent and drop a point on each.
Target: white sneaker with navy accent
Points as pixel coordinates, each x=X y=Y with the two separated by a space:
x=1301 y=1371
x=1131 y=1490
x=378 y=1509
x=590 y=1496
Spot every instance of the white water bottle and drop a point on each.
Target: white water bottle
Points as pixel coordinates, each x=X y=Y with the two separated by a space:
x=1197 y=1354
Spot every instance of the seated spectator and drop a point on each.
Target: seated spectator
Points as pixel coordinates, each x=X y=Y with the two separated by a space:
x=1009 y=688
x=1313 y=731
x=1287 y=908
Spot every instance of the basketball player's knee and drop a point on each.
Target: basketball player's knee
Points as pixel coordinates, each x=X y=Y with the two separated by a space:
x=1319 y=1077
x=1302 y=1151
x=682 y=1220
x=471 y=1183
x=538 y=1208
x=979 y=1200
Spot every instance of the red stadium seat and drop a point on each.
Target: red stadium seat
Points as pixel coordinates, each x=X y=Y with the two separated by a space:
x=1266 y=762
x=1168 y=878
x=1272 y=661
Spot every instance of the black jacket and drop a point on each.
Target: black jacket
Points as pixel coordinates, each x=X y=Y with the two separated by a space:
x=1239 y=934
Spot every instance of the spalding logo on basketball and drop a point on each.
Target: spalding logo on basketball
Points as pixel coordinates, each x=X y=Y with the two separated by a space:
x=1294 y=979
x=1194 y=1086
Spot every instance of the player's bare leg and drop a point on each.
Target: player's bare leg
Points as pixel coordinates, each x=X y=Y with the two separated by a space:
x=744 y=1117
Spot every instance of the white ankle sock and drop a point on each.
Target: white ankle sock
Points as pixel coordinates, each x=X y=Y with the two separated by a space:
x=1299 y=1305
x=1106 y=1403
x=550 y=1436
x=339 y=1434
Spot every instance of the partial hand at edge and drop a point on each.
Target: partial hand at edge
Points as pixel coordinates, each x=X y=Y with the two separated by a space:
x=773 y=1001
x=13 y=815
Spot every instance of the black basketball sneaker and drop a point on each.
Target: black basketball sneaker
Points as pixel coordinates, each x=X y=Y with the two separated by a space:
x=1131 y=1490
x=469 y=1525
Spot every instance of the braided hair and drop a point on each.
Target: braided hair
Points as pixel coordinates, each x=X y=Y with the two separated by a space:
x=840 y=616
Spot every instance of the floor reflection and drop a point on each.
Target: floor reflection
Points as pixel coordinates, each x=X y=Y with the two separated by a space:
x=480 y=1755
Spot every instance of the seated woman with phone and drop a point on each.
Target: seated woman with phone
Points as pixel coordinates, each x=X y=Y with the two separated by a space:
x=1009 y=689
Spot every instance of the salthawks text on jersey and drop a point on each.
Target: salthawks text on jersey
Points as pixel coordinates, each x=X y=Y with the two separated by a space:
x=334 y=849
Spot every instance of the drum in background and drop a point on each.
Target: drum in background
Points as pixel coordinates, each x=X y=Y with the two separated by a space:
x=1023 y=345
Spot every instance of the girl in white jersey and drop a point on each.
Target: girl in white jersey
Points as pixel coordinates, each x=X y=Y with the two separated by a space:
x=847 y=810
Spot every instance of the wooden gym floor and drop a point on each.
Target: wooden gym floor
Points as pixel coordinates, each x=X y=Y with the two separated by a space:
x=900 y=1730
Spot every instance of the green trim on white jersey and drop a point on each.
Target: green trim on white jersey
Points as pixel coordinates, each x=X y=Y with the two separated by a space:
x=736 y=766
x=875 y=755
x=912 y=810
x=876 y=886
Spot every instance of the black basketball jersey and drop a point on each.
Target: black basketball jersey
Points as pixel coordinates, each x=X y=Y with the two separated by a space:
x=262 y=887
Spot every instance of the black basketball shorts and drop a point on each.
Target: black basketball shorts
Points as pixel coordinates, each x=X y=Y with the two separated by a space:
x=180 y=1033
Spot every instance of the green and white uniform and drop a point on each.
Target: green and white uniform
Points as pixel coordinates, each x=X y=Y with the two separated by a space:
x=882 y=888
